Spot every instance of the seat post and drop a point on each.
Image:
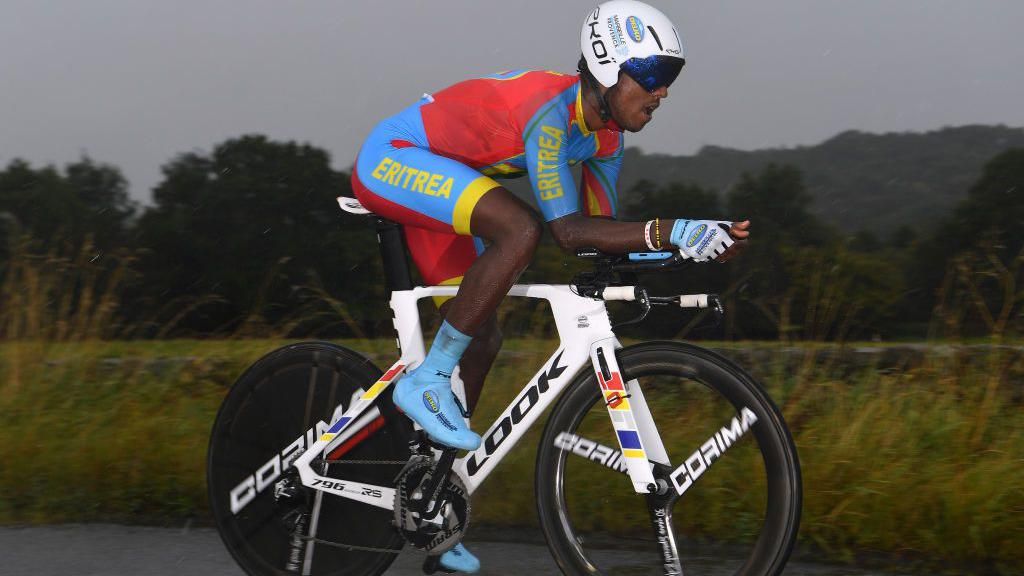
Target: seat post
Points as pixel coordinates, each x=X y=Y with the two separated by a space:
x=392 y=253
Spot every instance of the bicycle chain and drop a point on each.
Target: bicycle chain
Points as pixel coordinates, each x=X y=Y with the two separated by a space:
x=381 y=462
x=351 y=546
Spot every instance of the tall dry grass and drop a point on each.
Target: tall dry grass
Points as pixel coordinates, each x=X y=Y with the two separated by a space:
x=94 y=425
x=927 y=464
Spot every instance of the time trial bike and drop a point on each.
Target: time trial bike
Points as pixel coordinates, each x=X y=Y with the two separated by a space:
x=656 y=458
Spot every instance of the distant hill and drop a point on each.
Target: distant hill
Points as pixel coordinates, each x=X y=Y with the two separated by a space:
x=858 y=180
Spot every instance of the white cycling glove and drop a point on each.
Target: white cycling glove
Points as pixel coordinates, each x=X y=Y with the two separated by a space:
x=702 y=240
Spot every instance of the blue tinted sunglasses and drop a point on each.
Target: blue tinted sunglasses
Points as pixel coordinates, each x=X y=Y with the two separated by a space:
x=654 y=71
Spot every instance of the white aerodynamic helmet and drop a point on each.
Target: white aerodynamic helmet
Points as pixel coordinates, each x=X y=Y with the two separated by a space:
x=633 y=37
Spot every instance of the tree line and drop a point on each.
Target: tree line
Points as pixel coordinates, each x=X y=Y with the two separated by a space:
x=859 y=181
x=248 y=240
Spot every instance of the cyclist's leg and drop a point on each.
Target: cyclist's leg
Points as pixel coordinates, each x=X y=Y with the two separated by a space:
x=442 y=259
x=397 y=176
x=513 y=231
x=409 y=184
x=479 y=358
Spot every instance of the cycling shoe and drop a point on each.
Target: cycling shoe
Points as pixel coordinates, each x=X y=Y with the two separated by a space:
x=428 y=400
x=459 y=559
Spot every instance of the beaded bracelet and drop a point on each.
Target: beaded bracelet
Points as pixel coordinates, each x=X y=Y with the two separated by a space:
x=657 y=232
x=647 y=235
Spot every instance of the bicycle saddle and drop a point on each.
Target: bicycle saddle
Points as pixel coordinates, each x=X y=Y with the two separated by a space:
x=352 y=206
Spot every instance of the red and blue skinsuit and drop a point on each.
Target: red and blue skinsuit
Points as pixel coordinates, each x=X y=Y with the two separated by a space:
x=429 y=165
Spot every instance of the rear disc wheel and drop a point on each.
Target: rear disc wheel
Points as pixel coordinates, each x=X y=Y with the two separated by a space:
x=271 y=524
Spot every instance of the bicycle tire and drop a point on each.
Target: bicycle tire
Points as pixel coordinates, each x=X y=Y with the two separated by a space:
x=573 y=513
x=276 y=405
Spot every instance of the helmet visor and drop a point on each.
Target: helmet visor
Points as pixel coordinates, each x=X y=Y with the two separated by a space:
x=654 y=71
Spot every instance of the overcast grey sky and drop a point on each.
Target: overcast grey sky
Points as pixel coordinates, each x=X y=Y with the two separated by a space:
x=134 y=82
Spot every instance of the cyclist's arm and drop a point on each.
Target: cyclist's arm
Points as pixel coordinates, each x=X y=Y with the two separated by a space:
x=593 y=226
x=546 y=147
x=575 y=230
x=578 y=231
x=600 y=174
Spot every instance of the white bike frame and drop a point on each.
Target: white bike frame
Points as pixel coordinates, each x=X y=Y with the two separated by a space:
x=585 y=333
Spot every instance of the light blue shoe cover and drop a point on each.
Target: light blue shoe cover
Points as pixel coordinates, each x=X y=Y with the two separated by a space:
x=428 y=400
x=460 y=560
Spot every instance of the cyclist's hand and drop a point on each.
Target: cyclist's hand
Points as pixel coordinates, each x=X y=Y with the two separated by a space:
x=739 y=232
x=702 y=240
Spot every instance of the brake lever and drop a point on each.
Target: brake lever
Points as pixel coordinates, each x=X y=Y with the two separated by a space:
x=645 y=304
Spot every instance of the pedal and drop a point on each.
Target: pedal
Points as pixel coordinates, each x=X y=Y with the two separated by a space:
x=422 y=445
x=420 y=441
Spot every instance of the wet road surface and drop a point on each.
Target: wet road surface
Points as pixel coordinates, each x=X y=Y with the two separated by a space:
x=108 y=550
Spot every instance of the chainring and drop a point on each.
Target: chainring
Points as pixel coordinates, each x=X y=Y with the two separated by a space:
x=435 y=538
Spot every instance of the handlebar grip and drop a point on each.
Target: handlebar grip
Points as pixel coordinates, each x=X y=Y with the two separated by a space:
x=627 y=293
x=693 y=301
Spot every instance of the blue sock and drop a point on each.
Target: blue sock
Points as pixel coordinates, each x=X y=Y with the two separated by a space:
x=446 y=351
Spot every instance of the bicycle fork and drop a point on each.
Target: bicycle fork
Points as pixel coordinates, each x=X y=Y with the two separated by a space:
x=641 y=446
x=634 y=427
x=659 y=506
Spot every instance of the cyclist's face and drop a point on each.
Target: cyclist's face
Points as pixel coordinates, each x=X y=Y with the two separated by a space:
x=632 y=106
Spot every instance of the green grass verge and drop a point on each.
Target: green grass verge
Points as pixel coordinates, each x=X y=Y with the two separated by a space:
x=926 y=463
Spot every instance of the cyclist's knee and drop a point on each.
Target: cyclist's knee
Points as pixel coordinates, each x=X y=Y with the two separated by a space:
x=507 y=221
x=520 y=228
x=533 y=229
x=524 y=234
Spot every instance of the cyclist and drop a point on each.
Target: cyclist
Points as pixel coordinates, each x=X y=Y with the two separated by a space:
x=433 y=166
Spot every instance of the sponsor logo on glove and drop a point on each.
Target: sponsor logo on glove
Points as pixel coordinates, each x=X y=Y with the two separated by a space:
x=695 y=237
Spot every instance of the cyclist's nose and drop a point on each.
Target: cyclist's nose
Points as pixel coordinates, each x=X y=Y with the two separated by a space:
x=661 y=92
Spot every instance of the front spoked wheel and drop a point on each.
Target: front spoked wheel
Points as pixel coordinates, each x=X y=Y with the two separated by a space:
x=730 y=492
